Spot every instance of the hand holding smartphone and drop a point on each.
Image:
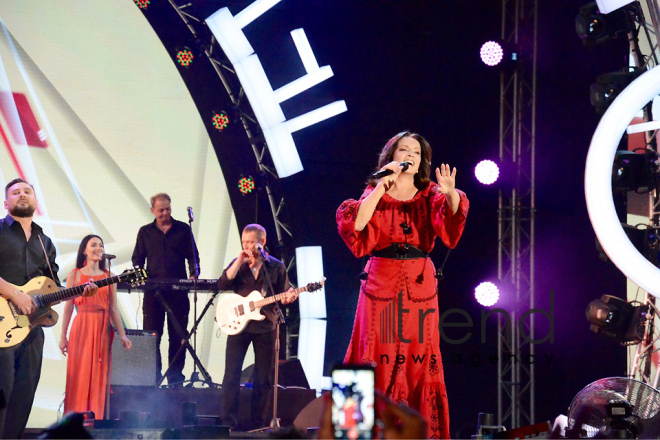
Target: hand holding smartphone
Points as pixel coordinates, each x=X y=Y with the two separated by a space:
x=353 y=401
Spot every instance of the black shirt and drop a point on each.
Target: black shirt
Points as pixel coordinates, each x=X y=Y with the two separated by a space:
x=22 y=260
x=244 y=283
x=165 y=253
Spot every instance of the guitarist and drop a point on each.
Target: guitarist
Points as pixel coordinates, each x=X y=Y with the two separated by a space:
x=244 y=275
x=23 y=250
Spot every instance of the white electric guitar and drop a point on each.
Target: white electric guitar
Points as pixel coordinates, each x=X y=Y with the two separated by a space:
x=235 y=311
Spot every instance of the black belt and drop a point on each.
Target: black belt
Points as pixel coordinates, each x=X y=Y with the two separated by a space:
x=400 y=251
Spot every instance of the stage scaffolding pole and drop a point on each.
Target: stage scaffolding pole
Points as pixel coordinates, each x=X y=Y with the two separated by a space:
x=516 y=210
x=231 y=83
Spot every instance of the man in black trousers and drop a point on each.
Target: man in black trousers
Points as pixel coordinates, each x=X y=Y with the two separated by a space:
x=245 y=274
x=25 y=252
x=166 y=244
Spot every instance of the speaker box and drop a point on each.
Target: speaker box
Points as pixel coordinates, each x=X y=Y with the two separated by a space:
x=291 y=374
x=310 y=416
x=136 y=366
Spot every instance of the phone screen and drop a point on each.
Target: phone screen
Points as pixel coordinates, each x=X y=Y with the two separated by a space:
x=353 y=401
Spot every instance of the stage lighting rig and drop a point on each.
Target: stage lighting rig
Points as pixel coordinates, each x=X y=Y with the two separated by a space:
x=608 y=86
x=595 y=28
x=220 y=120
x=246 y=185
x=184 y=56
x=142 y=4
x=615 y=318
x=636 y=172
x=499 y=53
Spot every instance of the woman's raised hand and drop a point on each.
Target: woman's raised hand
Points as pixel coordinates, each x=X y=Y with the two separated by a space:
x=446 y=179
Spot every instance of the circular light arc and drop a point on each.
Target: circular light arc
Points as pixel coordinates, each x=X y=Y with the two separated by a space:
x=598 y=182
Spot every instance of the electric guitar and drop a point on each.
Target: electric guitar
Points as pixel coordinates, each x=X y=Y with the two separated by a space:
x=15 y=326
x=235 y=311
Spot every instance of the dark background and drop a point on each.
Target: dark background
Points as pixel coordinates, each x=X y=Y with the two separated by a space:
x=415 y=65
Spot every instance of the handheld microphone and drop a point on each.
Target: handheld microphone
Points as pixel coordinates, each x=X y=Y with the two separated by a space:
x=260 y=248
x=380 y=174
x=109 y=256
x=191 y=218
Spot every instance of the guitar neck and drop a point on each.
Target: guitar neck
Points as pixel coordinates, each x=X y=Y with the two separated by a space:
x=72 y=292
x=279 y=296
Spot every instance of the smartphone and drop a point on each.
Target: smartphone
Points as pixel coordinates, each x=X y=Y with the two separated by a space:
x=353 y=401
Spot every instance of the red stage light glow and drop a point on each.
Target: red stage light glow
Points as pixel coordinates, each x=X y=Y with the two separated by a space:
x=220 y=120
x=184 y=57
x=142 y=4
x=246 y=185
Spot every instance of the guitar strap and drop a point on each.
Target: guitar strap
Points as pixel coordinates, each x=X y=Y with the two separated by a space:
x=46 y=255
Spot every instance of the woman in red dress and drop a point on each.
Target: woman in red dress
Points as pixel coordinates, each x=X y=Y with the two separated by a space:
x=88 y=346
x=396 y=222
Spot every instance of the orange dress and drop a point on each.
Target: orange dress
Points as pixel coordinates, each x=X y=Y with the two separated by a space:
x=88 y=364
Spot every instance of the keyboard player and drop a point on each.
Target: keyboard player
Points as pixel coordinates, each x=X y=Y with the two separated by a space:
x=166 y=245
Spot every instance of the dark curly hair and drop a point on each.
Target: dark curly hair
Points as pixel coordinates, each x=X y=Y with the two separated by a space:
x=423 y=176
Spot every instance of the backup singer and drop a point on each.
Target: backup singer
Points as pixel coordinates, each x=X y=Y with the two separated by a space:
x=166 y=244
x=25 y=252
x=88 y=347
x=244 y=275
x=396 y=222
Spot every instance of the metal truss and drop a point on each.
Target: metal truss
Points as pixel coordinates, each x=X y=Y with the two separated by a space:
x=223 y=68
x=516 y=380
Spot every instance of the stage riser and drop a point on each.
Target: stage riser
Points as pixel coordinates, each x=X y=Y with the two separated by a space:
x=164 y=404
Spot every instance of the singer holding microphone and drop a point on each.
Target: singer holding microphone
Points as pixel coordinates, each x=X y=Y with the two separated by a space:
x=395 y=223
x=88 y=346
x=244 y=275
x=166 y=244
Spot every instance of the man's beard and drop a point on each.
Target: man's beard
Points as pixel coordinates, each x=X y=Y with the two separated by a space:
x=22 y=211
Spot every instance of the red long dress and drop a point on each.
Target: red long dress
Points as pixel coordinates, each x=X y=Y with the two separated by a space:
x=88 y=361
x=408 y=370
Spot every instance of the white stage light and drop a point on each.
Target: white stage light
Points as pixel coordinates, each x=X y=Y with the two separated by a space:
x=303 y=83
x=644 y=126
x=254 y=11
x=607 y=6
x=305 y=50
x=315 y=116
x=311 y=350
x=598 y=182
x=259 y=92
x=230 y=36
x=309 y=268
x=283 y=150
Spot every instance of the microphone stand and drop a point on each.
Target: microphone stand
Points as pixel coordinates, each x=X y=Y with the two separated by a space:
x=275 y=421
x=194 y=377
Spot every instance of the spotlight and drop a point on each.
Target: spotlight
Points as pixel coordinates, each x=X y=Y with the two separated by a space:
x=487 y=294
x=184 y=56
x=494 y=53
x=634 y=171
x=595 y=28
x=220 y=120
x=608 y=86
x=142 y=4
x=246 y=185
x=487 y=172
x=615 y=318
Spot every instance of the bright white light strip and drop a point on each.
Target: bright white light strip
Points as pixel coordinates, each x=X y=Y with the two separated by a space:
x=259 y=91
x=309 y=268
x=305 y=50
x=303 y=83
x=598 y=182
x=254 y=11
x=311 y=350
x=607 y=6
x=315 y=116
x=230 y=36
x=644 y=126
x=283 y=150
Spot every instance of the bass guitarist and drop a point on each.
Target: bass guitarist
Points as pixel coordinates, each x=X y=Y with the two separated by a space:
x=25 y=252
x=244 y=275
